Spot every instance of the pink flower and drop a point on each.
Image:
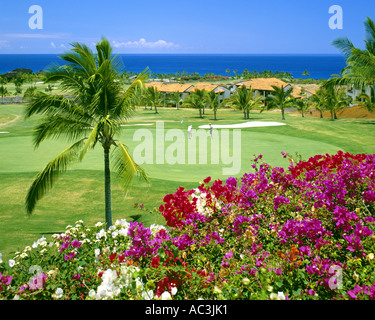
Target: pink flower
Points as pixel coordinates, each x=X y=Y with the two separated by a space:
x=76 y=244
x=70 y=255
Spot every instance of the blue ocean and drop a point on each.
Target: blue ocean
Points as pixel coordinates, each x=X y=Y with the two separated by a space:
x=319 y=66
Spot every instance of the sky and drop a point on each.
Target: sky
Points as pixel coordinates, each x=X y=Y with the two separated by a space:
x=194 y=26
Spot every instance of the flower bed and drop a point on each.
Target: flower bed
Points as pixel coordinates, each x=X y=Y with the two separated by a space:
x=302 y=233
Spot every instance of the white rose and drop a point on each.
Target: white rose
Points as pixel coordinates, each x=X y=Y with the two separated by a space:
x=173 y=291
x=166 y=296
x=59 y=293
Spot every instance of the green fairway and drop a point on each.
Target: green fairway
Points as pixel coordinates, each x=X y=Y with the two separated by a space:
x=79 y=194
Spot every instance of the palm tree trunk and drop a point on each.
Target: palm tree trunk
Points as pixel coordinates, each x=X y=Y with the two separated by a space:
x=215 y=115
x=200 y=112
x=282 y=113
x=331 y=115
x=107 y=189
x=248 y=114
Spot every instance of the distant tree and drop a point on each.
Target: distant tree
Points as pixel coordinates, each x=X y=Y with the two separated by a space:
x=319 y=101
x=305 y=73
x=336 y=100
x=245 y=99
x=213 y=102
x=245 y=74
x=302 y=106
x=175 y=97
x=197 y=100
x=153 y=97
x=3 y=92
x=280 y=99
x=49 y=88
x=18 y=82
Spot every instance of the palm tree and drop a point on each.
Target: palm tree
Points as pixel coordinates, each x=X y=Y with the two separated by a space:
x=153 y=97
x=3 y=92
x=336 y=100
x=197 y=100
x=364 y=100
x=305 y=73
x=245 y=99
x=93 y=116
x=319 y=100
x=18 y=82
x=280 y=99
x=213 y=102
x=175 y=97
x=360 y=68
x=302 y=106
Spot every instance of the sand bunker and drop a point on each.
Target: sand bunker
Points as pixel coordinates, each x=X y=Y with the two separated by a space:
x=244 y=125
x=4 y=132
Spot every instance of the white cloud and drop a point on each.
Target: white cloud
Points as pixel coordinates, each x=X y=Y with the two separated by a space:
x=142 y=43
x=53 y=45
x=34 y=35
x=4 y=44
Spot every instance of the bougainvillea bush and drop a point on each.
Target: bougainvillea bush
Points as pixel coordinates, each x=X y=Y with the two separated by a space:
x=306 y=232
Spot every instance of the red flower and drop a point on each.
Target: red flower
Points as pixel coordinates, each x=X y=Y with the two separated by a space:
x=121 y=258
x=207 y=180
x=155 y=262
x=112 y=256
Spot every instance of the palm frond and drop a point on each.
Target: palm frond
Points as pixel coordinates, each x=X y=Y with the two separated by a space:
x=91 y=141
x=55 y=105
x=125 y=167
x=344 y=45
x=46 y=178
x=370 y=32
x=81 y=58
x=57 y=126
x=123 y=109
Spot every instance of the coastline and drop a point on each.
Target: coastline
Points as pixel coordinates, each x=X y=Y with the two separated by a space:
x=319 y=66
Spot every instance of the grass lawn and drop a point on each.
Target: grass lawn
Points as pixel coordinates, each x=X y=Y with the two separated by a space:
x=79 y=194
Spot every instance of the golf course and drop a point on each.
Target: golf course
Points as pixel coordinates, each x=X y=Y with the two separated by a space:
x=79 y=193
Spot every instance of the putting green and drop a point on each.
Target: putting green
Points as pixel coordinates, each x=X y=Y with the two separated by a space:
x=14 y=149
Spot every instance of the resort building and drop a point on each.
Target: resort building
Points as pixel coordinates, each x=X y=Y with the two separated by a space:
x=354 y=92
x=300 y=93
x=162 y=87
x=263 y=86
x=223 y=91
